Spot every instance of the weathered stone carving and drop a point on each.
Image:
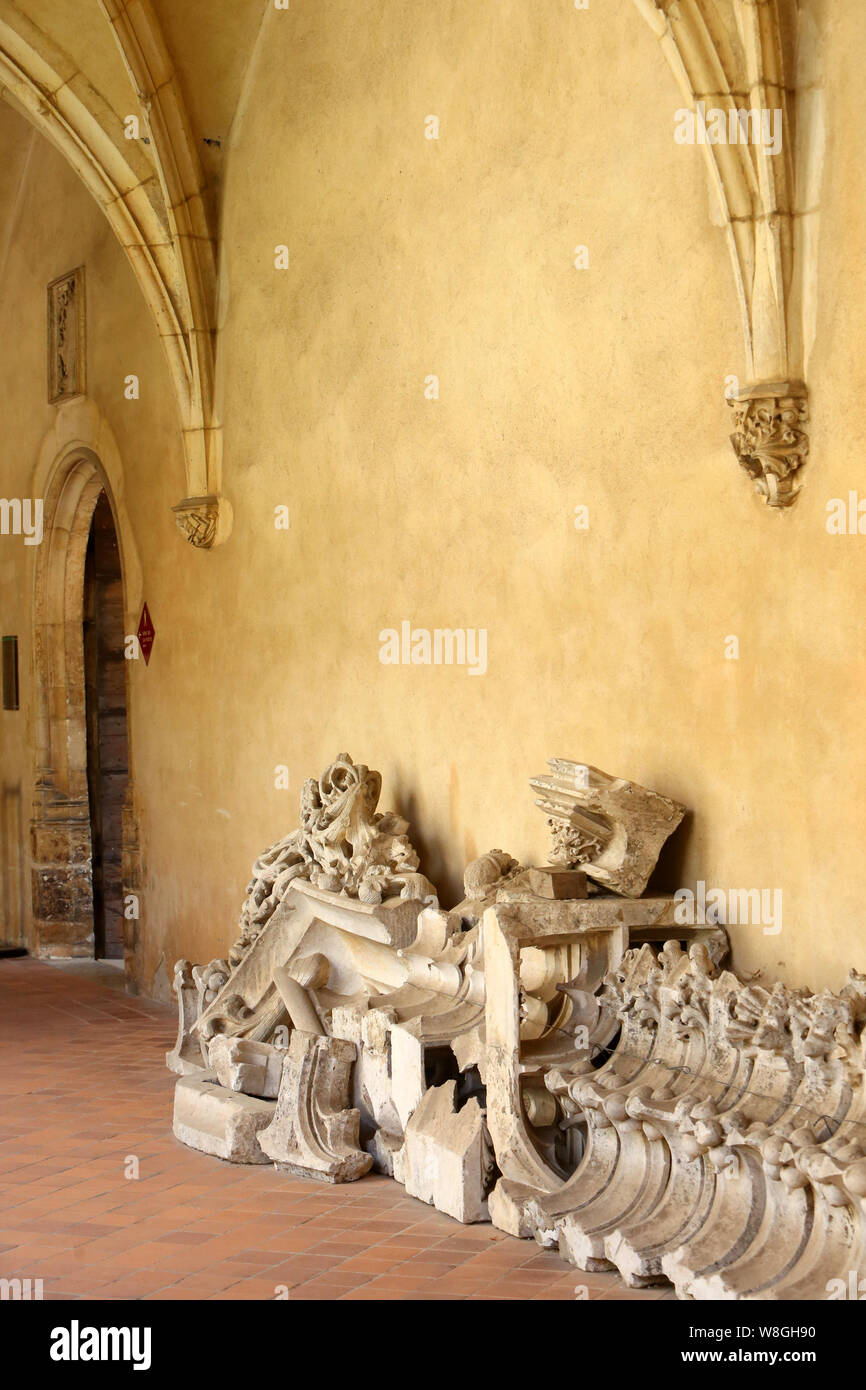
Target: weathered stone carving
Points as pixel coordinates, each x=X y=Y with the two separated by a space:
x=580 y=1070
x=770 y=439
x=751 y=76
x=313 y=1130
x=611 y=828
x=343 y=845
x=66 y=337
x=198 y=520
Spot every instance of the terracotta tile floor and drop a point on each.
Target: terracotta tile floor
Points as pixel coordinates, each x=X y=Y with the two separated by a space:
x=84 y=1090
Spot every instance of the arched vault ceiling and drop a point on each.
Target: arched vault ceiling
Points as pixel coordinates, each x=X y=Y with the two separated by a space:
x=210 y=45
x=78 y=28
x=78 y=68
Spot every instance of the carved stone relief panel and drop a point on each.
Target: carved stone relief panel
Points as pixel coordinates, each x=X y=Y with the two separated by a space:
x=67 y=374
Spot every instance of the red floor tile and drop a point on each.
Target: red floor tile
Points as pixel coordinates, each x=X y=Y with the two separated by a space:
x=83 y=1087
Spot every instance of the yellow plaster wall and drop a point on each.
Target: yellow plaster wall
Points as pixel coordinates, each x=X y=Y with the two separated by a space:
x=558 y=388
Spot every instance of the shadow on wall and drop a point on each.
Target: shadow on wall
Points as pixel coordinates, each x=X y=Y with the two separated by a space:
x=669 y=872
x=446 y=876
x=668 y=875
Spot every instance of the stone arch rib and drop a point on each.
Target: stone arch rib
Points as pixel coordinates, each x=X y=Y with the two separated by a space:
x=740 y=55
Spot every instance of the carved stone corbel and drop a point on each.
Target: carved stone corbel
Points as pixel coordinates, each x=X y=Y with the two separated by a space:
x=198 y=520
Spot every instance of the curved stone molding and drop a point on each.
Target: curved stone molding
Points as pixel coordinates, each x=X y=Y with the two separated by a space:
x=313 y=1131
x=726 y=1145
x=740 y=59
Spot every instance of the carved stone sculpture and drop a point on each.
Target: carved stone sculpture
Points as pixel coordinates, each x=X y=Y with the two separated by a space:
x=66 y=338
x=577 y=1069
x=343 y=845
x=611 y=828
x=770 y=439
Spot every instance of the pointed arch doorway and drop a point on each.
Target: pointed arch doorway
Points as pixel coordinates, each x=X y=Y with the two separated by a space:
x=82 y=830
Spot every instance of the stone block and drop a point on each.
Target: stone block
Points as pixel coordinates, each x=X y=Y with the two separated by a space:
x=253 y=1068
x=216 y=1121
x=446 y=1160
x=551 y=882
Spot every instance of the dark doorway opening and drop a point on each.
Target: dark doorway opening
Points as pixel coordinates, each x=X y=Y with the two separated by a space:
x=105 y=709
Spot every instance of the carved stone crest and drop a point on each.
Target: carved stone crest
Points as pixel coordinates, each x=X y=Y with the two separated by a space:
x=66 y=340
x=343 y=845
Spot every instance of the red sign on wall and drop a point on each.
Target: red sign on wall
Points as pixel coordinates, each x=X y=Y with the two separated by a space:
x=146 y=634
